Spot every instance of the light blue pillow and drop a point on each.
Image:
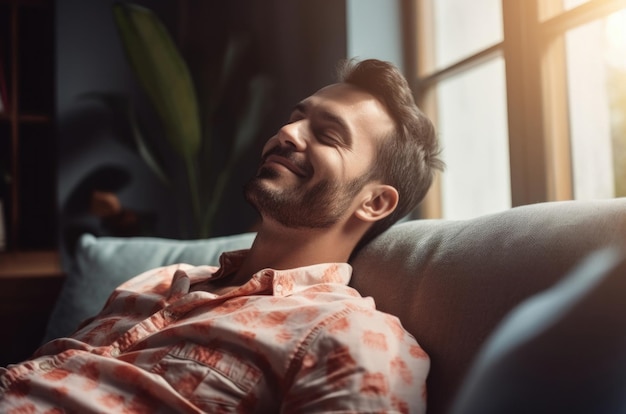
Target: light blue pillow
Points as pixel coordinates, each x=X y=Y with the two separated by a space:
x=103 y=263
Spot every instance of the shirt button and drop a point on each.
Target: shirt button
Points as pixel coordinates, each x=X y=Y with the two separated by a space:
x=45 y=366
x=115 y=352
x=279 y=288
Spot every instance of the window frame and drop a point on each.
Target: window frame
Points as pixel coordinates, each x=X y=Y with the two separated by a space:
x=533 y=50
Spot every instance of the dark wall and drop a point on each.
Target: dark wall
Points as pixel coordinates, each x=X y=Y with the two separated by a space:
x=296 y=43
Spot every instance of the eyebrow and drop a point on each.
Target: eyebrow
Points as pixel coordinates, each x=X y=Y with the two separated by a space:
x=328 y=116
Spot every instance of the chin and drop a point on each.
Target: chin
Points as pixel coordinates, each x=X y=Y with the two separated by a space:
x=267 y=172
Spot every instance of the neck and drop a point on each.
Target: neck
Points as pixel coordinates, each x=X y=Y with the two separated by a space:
x=280 y=248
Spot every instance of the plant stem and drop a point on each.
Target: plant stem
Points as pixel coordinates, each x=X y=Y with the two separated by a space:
x=218 y=192
x=194 y=196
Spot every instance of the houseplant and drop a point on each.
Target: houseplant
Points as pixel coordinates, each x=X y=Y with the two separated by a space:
x=190 y=124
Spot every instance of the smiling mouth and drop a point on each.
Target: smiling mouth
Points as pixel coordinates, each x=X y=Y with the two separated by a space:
x=286 y=163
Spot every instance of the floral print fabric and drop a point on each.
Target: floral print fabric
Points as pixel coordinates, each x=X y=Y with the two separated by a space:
x=292 y=341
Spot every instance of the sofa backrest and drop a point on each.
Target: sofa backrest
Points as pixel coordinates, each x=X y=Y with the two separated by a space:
x=451 y=282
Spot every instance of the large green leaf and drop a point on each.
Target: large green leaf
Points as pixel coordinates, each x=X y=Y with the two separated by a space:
x=163 y=74
x=233 y=58
x=247 y=128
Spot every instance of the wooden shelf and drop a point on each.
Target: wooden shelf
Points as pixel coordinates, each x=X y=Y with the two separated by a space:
x=28 y=141
x=30 y=264
x=31 y=275
x=34 y=118
x=30 y=283
x=29 y=3
x=26 y=118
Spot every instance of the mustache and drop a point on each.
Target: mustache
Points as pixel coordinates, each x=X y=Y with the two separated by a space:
x=289 y=154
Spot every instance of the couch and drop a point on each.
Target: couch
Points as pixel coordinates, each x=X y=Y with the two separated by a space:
x=451 y=282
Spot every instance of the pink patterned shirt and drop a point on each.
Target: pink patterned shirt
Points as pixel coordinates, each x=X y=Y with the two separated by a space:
x=291 y=341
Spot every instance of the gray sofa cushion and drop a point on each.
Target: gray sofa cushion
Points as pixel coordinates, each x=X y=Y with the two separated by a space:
x=561 y=351
x=451 y=282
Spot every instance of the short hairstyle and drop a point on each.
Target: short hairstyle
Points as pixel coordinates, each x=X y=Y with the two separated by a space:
x=409 y=158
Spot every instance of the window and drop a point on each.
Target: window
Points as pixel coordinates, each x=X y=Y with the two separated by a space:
x=529 y=98
x=596 y=77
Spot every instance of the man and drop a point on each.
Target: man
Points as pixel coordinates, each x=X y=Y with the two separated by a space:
x=275 y=328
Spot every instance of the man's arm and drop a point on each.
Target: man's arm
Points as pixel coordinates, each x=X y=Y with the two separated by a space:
x=362 y=361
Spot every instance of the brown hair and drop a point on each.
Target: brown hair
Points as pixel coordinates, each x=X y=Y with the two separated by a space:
x=408 y=159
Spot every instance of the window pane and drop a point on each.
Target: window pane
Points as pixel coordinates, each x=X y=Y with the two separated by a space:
x=596 y=66
x=552 y=8
x=464 y=27
x=471 y=110
x=570 y=4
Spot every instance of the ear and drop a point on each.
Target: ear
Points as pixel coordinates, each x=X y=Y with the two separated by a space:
x=380 y=201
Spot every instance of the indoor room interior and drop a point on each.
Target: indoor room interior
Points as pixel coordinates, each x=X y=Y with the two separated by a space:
x=528 y=98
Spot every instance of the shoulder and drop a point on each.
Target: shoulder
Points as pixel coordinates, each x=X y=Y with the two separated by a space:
x=368 y=359
x=374 y=332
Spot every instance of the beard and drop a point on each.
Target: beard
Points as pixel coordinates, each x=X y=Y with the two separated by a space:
x=317 y=207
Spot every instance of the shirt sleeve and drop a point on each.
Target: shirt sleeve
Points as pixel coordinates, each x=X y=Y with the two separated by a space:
x=362 y=361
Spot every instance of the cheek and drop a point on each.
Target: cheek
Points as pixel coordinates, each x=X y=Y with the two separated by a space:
x=362 y=161
x=334 y=165
x=352 y=164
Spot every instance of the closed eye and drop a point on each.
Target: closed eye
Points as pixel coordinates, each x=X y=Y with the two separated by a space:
x=330 y=138
x=294 y=117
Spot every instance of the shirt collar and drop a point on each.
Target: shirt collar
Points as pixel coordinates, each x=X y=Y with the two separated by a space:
x=288 y=281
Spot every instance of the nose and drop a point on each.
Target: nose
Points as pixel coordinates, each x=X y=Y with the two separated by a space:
x=293 y=134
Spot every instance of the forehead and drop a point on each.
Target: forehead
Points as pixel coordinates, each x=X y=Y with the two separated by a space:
x=361 y=111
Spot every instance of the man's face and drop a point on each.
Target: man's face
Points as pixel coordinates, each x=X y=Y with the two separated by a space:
x=314 y=168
